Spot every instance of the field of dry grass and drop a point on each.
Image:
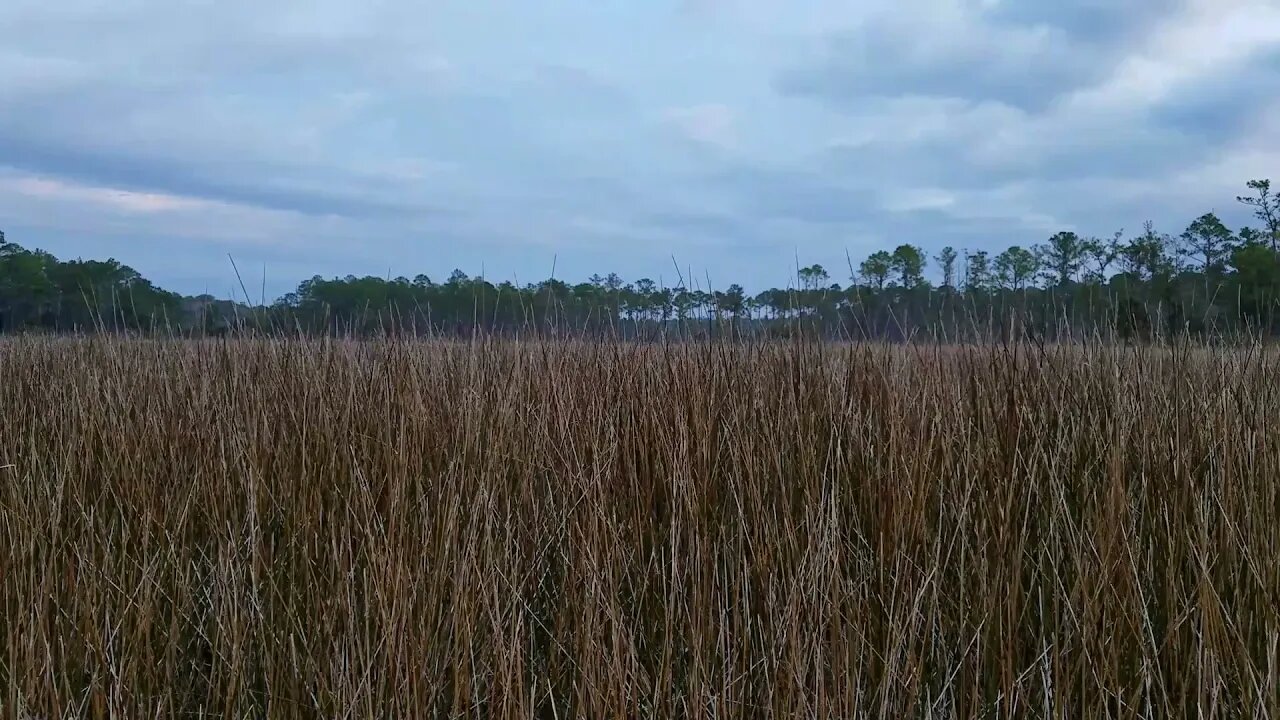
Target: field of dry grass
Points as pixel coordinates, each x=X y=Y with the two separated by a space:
x=511 y=530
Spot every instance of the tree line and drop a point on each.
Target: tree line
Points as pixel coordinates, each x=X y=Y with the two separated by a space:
x=1208 y=279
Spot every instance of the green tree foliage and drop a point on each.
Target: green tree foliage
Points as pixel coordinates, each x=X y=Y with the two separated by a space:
x=1206 y=279
x=39 y=291
x=813 y=277
x=1207 y=244
x=1266 y=207
x=977 y=271
x=732 y=302
x=908 y=264
x=1101 y=255
x=946 y=259
x=876 y=269
x=1016 y=267
x=1146 y=257
x=1062 y=257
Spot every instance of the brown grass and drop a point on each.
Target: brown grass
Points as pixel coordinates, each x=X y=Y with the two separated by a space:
x=499 y=529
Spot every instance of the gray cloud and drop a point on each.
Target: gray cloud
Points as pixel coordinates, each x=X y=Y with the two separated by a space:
x=334 y=137
x=1100 y=22
x=1217 y=110
x=857 y=65
x=1020 y=54
x=284 y=189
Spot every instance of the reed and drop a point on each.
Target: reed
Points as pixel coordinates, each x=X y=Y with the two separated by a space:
x=422 y=528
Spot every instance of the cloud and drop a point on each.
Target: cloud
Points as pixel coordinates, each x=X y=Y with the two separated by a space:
x=1209 y=38
x=42 y=204
x=1161 y=93
x=950 y=49
x=915 y=199
x=331 y=137
x=123 y=200
x=710 y=124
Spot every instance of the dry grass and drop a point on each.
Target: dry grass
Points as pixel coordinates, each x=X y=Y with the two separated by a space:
x=303 y=529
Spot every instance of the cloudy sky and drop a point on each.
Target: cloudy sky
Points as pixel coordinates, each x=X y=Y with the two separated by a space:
x=737 y=136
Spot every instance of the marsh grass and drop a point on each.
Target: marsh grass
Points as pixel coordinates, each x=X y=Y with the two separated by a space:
x=268 y=528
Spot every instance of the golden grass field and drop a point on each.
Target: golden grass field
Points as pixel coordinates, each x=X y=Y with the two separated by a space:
x=503 y=529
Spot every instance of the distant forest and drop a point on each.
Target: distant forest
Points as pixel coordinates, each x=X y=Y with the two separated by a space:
x=1206 y=280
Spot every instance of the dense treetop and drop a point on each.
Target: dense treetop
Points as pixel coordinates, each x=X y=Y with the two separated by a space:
x=1208 y=278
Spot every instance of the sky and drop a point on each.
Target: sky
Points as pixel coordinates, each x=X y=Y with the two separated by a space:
x=717 y=141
